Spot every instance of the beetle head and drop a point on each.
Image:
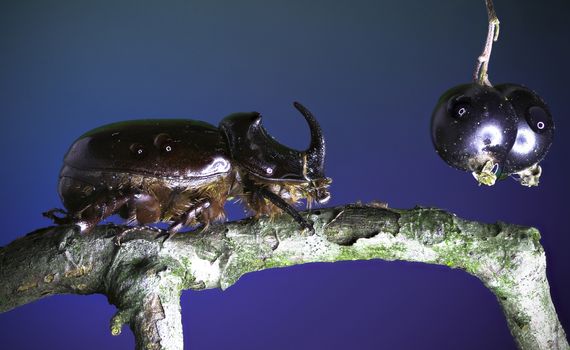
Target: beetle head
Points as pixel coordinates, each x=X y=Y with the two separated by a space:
x=262 y=156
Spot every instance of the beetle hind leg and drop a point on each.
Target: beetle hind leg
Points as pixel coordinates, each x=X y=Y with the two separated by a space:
x=103 y=205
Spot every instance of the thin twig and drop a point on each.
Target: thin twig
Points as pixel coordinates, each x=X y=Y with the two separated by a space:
x=480 y=75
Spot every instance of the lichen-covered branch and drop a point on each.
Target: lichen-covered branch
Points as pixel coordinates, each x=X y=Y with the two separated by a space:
x=144 y=276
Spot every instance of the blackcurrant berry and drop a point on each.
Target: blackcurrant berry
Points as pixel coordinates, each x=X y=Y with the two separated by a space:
x=535 y=128
x=473 y=126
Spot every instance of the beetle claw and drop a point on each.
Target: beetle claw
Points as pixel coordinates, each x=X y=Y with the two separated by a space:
x=58 y=220
x=308 y=226
x=165 y=235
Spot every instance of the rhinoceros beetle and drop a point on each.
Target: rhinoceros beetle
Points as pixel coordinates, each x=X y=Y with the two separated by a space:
x=182 y=172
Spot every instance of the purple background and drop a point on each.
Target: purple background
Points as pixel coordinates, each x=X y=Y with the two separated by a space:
x=370 y=70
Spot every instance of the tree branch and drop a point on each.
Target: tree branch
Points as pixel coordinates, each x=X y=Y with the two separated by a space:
x=144 y=276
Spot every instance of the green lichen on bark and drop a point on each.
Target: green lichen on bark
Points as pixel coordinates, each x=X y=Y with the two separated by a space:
x=145 y=276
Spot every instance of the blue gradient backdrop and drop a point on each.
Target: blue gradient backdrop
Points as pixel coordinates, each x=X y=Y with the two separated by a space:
x=371 y=71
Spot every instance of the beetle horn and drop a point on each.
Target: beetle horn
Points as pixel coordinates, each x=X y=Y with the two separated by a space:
x=316 y=152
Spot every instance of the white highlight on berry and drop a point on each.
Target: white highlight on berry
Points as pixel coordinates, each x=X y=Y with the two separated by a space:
x=525 y=142
x=489 y=135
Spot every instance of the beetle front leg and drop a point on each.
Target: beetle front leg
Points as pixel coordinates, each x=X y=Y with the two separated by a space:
x=283 y=205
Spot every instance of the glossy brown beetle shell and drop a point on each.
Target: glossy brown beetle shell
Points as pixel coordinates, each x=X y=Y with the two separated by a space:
x=168 y=165
x=161 y=148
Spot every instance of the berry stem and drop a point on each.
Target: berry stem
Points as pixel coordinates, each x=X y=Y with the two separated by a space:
x=480 y=75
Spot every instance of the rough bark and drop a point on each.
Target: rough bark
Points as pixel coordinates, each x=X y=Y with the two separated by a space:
x=144 y=276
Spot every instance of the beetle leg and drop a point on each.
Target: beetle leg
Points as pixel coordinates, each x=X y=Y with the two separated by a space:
x=185 y=219
x=118 y=239
x=143 y=209
x=104 y=205
x=58 y=220
x=286 y=207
